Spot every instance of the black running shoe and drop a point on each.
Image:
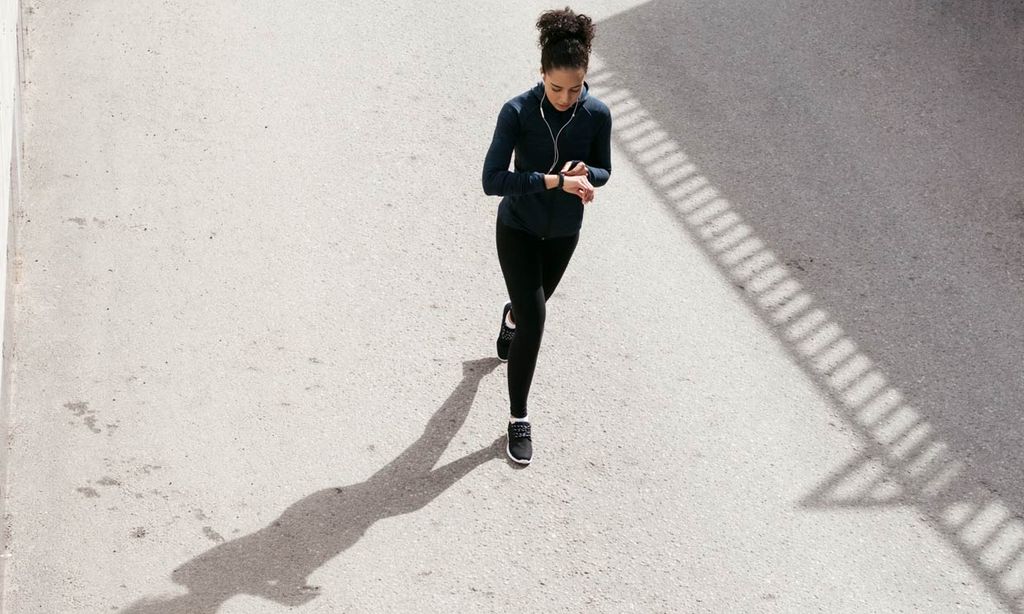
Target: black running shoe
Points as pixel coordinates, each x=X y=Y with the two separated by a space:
x=505 y=335
x=520 y=447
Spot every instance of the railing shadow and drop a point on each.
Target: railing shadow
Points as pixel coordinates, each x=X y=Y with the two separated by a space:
x=900 y=209
x=275 y=562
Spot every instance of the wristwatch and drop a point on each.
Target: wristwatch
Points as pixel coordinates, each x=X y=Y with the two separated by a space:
x=561 y=180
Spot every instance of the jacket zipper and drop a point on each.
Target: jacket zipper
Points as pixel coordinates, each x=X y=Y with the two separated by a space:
x=554 y=142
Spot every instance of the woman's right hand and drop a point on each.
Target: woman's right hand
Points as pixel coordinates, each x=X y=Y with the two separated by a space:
x=579 y=186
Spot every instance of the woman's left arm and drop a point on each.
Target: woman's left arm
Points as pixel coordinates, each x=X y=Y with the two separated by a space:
x=599 y=162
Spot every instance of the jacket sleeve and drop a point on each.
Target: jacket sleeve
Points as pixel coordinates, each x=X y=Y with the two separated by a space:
x=497 y=179
x=600 y=160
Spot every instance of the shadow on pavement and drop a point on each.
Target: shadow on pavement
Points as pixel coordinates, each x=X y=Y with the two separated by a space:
x=275 y=561
x=868 y=160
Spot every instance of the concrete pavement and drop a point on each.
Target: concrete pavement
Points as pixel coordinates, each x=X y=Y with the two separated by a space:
x=255 y=322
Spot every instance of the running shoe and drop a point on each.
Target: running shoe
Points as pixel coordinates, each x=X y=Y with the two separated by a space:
x=520 y=446
x=505 y=335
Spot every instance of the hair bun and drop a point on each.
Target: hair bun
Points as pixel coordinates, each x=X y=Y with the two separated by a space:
x=559 y=25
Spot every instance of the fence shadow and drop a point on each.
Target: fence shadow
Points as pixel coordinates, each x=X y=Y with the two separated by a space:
x=867 y=160
x=275 y=562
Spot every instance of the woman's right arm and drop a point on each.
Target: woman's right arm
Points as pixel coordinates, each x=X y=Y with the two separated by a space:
x=497 y=179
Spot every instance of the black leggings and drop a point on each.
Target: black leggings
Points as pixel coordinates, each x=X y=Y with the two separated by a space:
x=532 y=268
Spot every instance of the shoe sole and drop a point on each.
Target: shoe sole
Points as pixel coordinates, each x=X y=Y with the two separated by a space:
x=514 y=459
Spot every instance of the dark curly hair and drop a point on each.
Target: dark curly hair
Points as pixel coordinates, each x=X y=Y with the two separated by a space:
x=565 y=39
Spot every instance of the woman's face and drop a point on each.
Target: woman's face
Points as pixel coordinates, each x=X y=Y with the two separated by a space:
x=563 y=86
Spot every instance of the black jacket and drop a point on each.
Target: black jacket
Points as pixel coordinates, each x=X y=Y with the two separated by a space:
x=527 y=205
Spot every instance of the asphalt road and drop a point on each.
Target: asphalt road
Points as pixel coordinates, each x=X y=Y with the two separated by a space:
x=257 y=296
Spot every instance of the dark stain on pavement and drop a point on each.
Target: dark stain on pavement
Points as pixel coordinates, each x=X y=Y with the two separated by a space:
x=81 y=410
x=213 y=535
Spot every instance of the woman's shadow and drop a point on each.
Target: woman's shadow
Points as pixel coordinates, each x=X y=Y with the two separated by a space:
x=275 y=561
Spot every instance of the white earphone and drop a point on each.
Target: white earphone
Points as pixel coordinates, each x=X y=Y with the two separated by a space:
x=554 y=137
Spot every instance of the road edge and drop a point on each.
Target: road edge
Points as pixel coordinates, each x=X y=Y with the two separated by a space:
x=11 y=73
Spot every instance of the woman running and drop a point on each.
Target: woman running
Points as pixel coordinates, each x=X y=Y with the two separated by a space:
x=554 y=125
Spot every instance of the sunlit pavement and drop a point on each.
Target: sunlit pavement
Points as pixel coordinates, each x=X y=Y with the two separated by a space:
x=257 y=297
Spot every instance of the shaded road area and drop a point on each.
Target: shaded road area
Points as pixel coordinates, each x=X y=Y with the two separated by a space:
x=870 y=159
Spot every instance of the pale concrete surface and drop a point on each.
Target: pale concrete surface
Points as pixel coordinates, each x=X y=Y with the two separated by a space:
x=10 y=190
x=256 y=317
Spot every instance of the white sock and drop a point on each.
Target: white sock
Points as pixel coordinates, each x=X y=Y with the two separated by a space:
x=508 y=320
x=523 y=419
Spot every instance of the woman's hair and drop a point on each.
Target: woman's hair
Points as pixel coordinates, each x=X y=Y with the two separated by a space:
x=565 y=39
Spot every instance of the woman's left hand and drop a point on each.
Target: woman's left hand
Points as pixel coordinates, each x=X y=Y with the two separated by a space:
x=575 y=168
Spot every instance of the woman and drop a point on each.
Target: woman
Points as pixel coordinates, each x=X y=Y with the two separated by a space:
x=555 y=125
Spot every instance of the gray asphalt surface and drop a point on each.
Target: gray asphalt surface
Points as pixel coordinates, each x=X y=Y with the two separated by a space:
x=258 y=294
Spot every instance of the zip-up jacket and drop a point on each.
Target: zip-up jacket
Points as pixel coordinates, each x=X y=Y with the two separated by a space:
x=527 y=204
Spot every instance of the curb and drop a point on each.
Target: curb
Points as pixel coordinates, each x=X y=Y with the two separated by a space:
x=11 y=71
